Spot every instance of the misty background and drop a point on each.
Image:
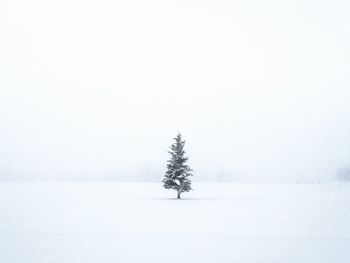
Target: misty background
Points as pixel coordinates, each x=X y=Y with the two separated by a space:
x=96 y=90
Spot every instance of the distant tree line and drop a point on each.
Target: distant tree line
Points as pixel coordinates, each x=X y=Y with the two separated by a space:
x=343 y=174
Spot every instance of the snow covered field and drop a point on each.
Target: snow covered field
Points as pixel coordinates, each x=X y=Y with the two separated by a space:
x=135 y=222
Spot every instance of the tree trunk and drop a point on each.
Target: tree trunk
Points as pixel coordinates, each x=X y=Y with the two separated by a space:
x=178 y=194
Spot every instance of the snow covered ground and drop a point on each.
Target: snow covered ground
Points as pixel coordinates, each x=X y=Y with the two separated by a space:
x=135 y=222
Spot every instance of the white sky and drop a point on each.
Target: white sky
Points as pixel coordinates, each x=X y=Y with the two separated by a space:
x=259 y=89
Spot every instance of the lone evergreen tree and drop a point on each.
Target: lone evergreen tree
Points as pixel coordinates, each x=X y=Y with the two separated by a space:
x=178 y=172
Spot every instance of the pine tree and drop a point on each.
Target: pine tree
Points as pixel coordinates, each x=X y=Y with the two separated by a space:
x=178 y=172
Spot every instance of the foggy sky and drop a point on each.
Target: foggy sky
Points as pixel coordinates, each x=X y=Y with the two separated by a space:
x=260 y=90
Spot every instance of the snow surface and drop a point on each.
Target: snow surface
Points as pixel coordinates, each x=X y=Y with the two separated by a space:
x=141 y=222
